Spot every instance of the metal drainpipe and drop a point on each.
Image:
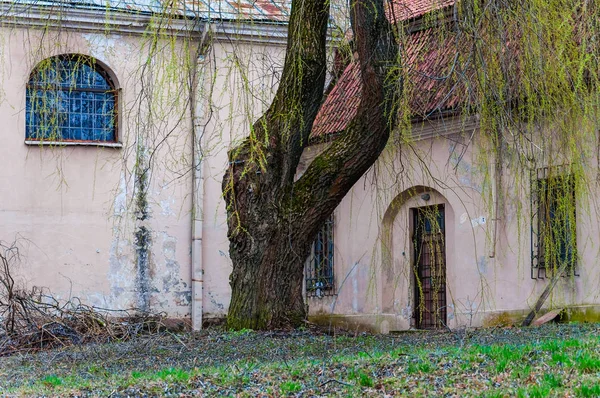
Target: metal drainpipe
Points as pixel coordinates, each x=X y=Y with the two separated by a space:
x=496 y=192
x=197 y=110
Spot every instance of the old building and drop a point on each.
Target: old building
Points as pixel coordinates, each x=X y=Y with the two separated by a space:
x=117 y=119
x=102 y=187
x=449 y=229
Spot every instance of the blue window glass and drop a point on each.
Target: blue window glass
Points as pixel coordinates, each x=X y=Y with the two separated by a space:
x=70 y=98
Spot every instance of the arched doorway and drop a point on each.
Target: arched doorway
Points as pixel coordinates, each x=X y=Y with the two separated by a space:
x=417 y=237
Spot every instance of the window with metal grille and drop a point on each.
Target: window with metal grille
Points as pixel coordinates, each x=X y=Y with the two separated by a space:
x=319 y=269
x=553 y=229
x=70 y=98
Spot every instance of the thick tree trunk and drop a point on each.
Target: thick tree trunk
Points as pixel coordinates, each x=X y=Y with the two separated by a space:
x=267 y=262
x=266 y=292
x=272 y=220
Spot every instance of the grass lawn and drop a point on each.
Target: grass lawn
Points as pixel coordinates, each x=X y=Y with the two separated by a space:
x=553 y=360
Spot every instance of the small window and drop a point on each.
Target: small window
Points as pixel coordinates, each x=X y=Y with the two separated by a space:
x=319 y=269
x=554 y=223
x=70 y=98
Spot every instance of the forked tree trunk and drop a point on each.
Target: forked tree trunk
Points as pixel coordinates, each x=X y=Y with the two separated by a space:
x=273 y=219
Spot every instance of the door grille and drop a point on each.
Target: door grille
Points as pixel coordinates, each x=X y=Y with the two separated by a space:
x=430 y=268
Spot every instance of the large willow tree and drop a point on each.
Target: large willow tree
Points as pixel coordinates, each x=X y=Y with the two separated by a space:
x=273 y=219
x=529 y=71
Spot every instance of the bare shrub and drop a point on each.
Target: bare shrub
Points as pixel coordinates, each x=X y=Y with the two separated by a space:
x=33 y=319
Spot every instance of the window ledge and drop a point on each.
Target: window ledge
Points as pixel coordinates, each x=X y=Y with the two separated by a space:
x=74 y=143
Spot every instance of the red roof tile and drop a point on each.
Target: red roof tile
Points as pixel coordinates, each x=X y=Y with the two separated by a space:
x=400 y=10
x=341 y=104
x=431 y=83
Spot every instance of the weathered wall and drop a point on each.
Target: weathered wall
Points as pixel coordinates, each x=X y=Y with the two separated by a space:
x=373 y=237
x=241 y=79
x=75 y=210
x=72 y=209
x=488 y=265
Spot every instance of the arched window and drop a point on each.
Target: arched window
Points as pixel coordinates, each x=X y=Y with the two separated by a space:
x=71 y=98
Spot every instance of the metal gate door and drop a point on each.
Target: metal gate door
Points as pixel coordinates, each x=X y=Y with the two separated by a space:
x=430 y=267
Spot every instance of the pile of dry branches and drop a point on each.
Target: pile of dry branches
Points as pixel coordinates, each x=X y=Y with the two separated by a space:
x=32 y=319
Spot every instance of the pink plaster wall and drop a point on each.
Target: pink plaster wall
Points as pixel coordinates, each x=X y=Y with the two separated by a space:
x=373 y=258
x=70 y=208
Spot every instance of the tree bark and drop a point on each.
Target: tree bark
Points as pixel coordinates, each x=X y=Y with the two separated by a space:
x=272 y=220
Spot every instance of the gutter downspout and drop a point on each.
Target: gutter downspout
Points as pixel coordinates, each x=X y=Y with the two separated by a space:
x=197 y=113
x=496 y=197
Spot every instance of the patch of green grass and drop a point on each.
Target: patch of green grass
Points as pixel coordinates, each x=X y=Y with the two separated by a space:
x=494 y=394
x=552 y=380
x=172 y=374
x=503 y=353
x=572 y=343
x=501 y=365
x=224 y=376
x=241 y=332
x=552 y=345
x=561 y=358
x=482 y=349
x=425 y=367
x=137 y=375
x=296 y=373
x=587 y=363
x=51 y=381
x=352 y=374
x=290 y=387
x=365 y=380
x=420 y=366
x=468 y=361
x=539 y=391
x=521 y=372
x=361 y=377
x=411 y=368
x=588 y=390
x=521 y=392
x=363 y=355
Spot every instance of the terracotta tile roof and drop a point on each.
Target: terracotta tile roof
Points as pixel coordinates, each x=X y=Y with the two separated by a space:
x=431 y=73
x=431 y=81
x=267 y=10
x=341 y=103
x=400 y=10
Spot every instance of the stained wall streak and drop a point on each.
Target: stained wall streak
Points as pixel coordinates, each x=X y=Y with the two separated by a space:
x=143 y=234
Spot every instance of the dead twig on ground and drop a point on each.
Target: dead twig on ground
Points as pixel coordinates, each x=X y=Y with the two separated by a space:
x=32 y=319
x=334 y=381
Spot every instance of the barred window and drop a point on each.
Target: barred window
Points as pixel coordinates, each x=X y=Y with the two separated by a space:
x=70 y=98
x=319 y=269
x=554 y=244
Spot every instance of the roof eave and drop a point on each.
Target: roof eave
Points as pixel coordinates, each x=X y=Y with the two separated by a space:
x=95 y=19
